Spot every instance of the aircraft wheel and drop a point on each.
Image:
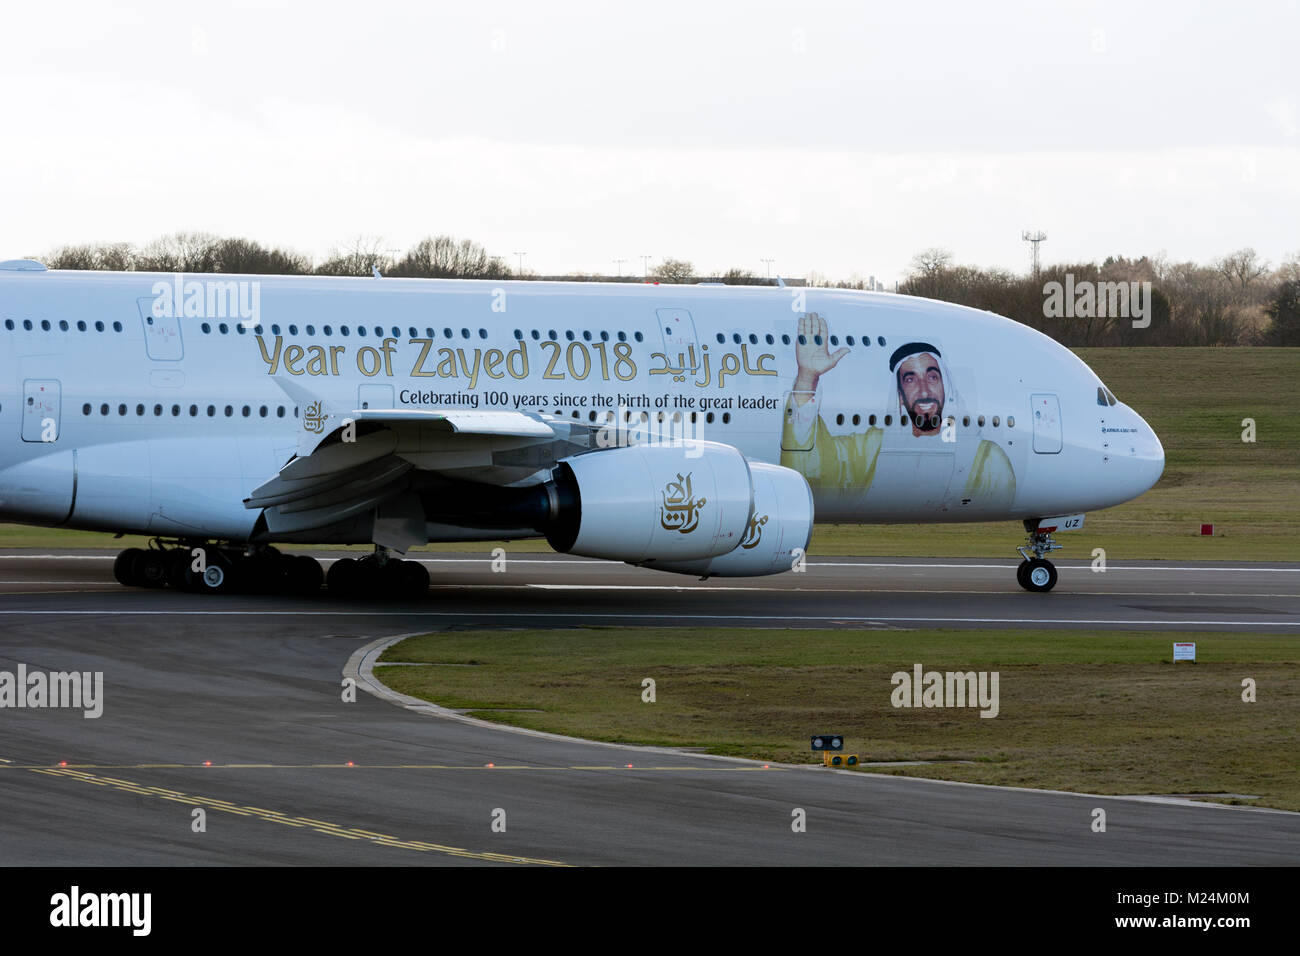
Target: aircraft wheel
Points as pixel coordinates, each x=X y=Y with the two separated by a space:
x=411 y=579
x=217 y=576
x=1020 y=574
x=1040 y=576
x=124 y=567
x=305 y=574
x=178 y=563
x=341 y=579
x=150 y=569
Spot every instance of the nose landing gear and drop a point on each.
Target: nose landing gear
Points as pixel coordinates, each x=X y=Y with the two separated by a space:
x=1037 y=573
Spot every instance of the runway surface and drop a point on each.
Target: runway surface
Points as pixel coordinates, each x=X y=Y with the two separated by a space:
x=252 y=686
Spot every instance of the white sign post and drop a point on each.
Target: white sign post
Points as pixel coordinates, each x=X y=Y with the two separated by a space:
x=1184 y=652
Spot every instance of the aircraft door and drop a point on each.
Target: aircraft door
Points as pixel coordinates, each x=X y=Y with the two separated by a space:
x=162 y=334
x=41 y=406
x=680 y=344
x=1047 y=423
x=375 y=396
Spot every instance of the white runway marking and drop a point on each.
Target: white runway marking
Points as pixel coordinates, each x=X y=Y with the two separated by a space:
x=568 y=616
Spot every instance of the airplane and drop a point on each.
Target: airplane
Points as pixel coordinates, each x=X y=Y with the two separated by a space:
x=695 y=429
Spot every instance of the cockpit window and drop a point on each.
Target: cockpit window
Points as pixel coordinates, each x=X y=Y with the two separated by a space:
x=1104 y=397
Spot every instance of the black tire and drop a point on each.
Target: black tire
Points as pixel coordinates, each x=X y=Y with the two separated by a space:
x=1020 y=574
x=306 y=574
x=1040 y=576
x=177 y=563
x=341 y=579
x=150 y=569
x=124 y=567
x=217 y=576
x=412 y=579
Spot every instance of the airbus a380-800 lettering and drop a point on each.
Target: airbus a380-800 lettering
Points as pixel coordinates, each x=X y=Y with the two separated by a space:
x=695 y=429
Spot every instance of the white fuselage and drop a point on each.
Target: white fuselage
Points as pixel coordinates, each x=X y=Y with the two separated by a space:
x=164 y=424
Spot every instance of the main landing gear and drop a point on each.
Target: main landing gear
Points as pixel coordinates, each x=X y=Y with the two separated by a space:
x=1037 y=573
x=377 y=575
x=212 y=569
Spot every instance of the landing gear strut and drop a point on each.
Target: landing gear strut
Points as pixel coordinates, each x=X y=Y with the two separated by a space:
x=1037 y=573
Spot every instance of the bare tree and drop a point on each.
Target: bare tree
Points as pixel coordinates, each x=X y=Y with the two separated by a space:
x=673 y=270
x=442 y=257
x=361 y=257
x=930 y=262
x=1242 y=268
x=109 y=256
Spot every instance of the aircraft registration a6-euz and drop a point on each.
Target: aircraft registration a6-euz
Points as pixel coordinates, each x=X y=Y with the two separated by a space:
x=694 y=429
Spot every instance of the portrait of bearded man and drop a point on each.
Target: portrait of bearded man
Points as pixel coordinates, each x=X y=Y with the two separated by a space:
x=921 y=391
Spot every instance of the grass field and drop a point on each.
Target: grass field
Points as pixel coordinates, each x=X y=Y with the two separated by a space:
x=1195 y=399
x=1100 y=713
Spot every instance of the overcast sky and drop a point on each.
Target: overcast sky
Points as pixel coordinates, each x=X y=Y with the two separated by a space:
x=836 y=136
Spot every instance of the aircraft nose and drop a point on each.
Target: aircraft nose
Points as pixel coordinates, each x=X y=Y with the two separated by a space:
x=1143 y=458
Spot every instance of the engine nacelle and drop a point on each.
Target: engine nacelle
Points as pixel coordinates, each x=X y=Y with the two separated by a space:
x=649 y=504
x=780 y=524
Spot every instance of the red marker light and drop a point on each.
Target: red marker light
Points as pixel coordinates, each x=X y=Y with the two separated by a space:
x=207 y=763
x=491 y=765
x=63 y=763
x=629 y=766
x=350 y=763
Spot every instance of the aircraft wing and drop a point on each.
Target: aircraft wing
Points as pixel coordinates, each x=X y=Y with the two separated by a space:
x=353 y=461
